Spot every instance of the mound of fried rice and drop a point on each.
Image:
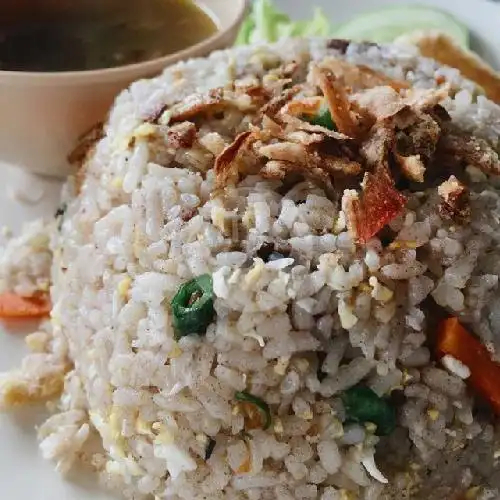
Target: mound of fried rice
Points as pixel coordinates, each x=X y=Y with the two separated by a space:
x=334 y=254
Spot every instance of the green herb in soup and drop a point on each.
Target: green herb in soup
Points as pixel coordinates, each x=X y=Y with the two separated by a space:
x=74 y=35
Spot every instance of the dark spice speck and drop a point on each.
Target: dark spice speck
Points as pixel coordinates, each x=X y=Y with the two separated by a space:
x=338 y=44
x=61 y=211
x=210 y=448
x=270 y=252
x=321 y=359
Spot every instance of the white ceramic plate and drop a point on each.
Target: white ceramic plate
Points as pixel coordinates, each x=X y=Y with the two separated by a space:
x=23 y=474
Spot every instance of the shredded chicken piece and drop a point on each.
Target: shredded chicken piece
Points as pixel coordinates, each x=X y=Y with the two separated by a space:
x=86 y=143
x=338 y=102
x=245 y=99
x=409 y=127
x=181 y=135
x=419 y=138
x=278 y=169
x=306 y=157
x=440 y=114
x=198 y=104
x=455 y=200
x=303 y=137
x=426 y=99
x=259 y=94
x=226 y=164
x=375 y=150
x=470 y=150
x=270 y=128
x=82 y=152
x=295 y=124
x=272 y=108
x=359 y=77
x=412 y=167
x=337 y=148
x=379 y=204
x=285 y=151
x=385 y=102
x=413 y=145
x=345 y=166
x=288 y=71
x=302 y=154
x=380 y=102
x=309 y=106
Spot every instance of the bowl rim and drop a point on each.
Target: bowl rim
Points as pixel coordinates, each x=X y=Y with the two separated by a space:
x=123 y=72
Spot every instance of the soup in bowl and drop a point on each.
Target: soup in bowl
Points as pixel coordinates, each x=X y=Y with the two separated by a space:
x=62 y=62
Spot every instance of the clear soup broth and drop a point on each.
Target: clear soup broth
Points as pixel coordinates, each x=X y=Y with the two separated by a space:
x=76 y=35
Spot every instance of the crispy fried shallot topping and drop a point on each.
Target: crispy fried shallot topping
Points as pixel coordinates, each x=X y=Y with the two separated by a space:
x=359 y=77
x=181 y=135
x=338 y=102
x=380 y=102
x=278 y=169
x=216 y=101
x=375 y=150
x=408 y=128
x=258 y=93
x=379 y=130
x=306 y=157
x=454 y=200
x=272 y=108
x=412 y=167
x=226 y=164
x=306 y=107
x=421 y=137
x=79 y=156
x=198 y=104
x=470 y=150
x=85 y=144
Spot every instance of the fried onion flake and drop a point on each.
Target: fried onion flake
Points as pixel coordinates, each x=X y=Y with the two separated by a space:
x=226 y=164
x=338 y=102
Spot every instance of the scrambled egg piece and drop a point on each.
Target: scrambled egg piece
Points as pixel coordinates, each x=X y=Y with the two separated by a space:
x=17 y=389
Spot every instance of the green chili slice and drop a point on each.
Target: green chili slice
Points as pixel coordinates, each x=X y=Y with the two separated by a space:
x=362 y=405
x=323 y=119
x=193 y=307
x=262 y=407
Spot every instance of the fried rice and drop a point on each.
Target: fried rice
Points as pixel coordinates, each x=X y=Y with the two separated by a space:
x=333 y=253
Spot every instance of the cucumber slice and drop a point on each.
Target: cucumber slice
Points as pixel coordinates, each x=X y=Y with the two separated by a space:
x=386 y=24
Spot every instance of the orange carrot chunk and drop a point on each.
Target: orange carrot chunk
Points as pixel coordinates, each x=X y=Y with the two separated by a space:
x=456 y=341
x=13 y=306
x=379 y=204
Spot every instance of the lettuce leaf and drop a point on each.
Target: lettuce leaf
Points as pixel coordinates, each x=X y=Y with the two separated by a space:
x=266 y=24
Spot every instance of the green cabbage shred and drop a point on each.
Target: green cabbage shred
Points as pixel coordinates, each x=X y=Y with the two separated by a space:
x=266 y=23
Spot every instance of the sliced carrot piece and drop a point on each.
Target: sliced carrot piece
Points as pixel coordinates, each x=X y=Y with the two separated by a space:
x=13 y=306
x=380 y=203
x=455 y=340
